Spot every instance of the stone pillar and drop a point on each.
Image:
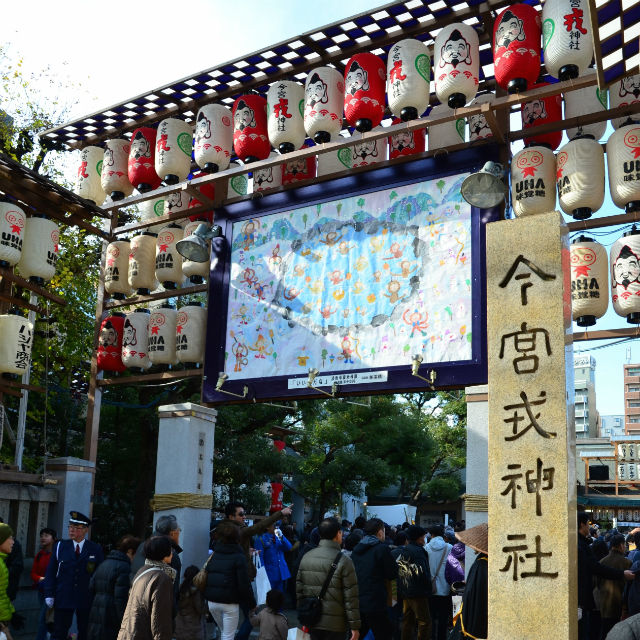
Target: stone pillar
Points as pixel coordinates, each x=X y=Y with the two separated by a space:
x=184 y=475
x=532 y=489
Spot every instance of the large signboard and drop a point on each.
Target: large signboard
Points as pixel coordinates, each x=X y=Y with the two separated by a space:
x=353 y=278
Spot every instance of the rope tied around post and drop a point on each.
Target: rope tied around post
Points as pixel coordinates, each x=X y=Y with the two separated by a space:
x=168 y=501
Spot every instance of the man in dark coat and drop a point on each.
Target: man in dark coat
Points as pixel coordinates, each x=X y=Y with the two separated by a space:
x=66 y=583
x=611 y=590
x=374 y=565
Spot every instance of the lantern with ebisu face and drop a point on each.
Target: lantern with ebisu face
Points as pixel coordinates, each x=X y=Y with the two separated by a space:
x=456 y=64
x=624 y=260
x=110 y=343
x=285 y=115
x=114 y=177
x=16 y=343
x=135 y=340
x=299 y=169
x=367 y=152
x=250 y=132
x=141 y=166
x=589 y=281
x=622 y=93
x=364 y=91
x=623 y=162
x=173 y=150
x=213 y=138
x=323 y=103
x=39 y=249
x=541 y=111
x=88 y=180
x=406 y=143
x=267 y=177
x=516 y=47
x=12 y=225
x=408 y=73
x=478 y=126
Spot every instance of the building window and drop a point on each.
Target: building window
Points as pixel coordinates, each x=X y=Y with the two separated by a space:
x=633 y=388
x=634 y=419
x=633 y=371
x=632 y=404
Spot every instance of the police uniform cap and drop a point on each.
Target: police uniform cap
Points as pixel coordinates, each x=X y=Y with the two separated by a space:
x=75 y=517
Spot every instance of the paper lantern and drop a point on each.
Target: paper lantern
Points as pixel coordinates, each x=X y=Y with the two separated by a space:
x=109 y=354
x=623 y=161
x=114 y=177
x=533 y=181
x=269 y=177
x=135 y=340
x=623 y=93
x=162 y=335
x=150 y=210
x=567 y=37
x=449 y=133
x=583 y=102
x=12 y=229
x=176 y=202
x=250 y=135
x=580 y=177
x=299 y=169
x=141 y=164
x=624 y=261
x=168 y=260
x=238 y=184
x=367 y=152
x=364 y=84
x=173 y=150
x=213 y=138
x=116 y=270
x=16 y=343
x=516 y=47
x=406 y=143
x=408 y=73
x=589 y=281
x=335 y=161
x=456 y=64
x=191 y=331
x=195 y=271
x=542 y=111
x=285 y=115
x=276 y=497
x=39 y=250
x=88 y=180
x=208 y=191
x=478 y=126
x=142 y=263
x=324 y=100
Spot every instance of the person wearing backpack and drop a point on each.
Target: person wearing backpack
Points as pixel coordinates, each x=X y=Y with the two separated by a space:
x=440 y=604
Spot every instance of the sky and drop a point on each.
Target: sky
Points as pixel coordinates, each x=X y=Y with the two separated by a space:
x=113 y=51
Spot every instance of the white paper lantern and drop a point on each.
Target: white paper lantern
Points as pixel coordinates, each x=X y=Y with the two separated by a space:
x=176 y=202
x=444 y=135
x=624 y=260
x=324 y=101
x=622 y=93
x=168 y=260
x=39 y=250
x=580 y=177
x=115 y=177
x=150 y=210
x=456 y=64
x=135 y=340
x=285 y=116
x=567 y=37
x=478 y=126
x=116 y=269
x=191 y=330
x=142 y=263
x=623 y=161
x=269 y=178
x=195 y=271
x=88 y=181
x=589 y=281
x=408 y=74
x=533 y=181
x=367 y=152
x=16 y=342
x=173 y=150
x=238 y=184
x=213 y=138
x=162 y=335
x=583 y=102
x=12 y=228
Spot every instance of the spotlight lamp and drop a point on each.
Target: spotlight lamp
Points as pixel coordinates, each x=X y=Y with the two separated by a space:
x=195 y=247
x=485 y=188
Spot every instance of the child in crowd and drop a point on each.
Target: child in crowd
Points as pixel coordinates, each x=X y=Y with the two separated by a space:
x=192 y=607
x=272 y=622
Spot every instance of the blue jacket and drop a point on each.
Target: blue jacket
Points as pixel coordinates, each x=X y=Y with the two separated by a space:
x=273 y=556
x=67 y=578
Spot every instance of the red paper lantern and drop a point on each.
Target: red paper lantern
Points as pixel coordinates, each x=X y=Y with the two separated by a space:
x=406 y=143
x=516 y=47
x=300 y=169
x=250 y=132
x=276 y=497
x=364 y=91
x=207 y=190
x=110 y=343
x=141 y=165
x=542 y=111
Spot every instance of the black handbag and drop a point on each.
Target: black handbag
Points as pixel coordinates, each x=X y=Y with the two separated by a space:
x=310 y=609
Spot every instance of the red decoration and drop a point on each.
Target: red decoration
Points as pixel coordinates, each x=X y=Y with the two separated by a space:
x=279 y=444
x=516 y=47
x=141 y=166
x=406 y=143
x=207 y=190
x=250 y=133
x=276 y=497
x=364 y=92
x=110 y=343
x=542 y=111
x=301 y=169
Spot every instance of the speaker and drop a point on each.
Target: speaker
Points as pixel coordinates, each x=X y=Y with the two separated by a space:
x=599 y=472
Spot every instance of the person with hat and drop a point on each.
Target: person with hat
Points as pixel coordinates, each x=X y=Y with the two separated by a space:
x=66 y=583
x=6 y=545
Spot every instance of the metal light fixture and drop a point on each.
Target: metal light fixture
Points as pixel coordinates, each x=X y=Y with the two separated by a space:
x=195 y=247
x=485 y=188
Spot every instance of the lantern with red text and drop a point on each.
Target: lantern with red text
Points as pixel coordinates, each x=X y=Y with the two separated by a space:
x=162 y=335
x=478 y=126
x=39 y=250
x=250 y=135
x=445 y=134
x=110 y=343
x=623 y=93
x=116 y=269
x=16 y=343
x=583 y=102
x=298 y=169
x=589 y=281
x=12 y=226
x=285 y=115
x=168 y=260
x=580 y=177
x=114 y=177
x=567 y=38
x=141 y=165
x=213 y=138
x=195 y=271
x=88 y=181
x=364 y=85
x=268 y=177
x=142 y=263
x=276 y=497
x=173 y=150
x=406 y=143
x=190 y=333
x=368 y=152
x=533 y=181
x=323 y=103
x=135 y=340
x=408 y=73
x=456 y=64
x=623 y=162
x=541 y=111
x=516 y=47
x=624 y=261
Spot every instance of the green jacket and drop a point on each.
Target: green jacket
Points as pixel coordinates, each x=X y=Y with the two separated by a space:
x=6 y=608
x=340 y=607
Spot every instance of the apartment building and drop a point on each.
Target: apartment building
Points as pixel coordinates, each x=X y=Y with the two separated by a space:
x=632 y=399
x=584 y=369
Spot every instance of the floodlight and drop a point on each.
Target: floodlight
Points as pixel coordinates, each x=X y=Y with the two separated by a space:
x=195 y=247
x=484 y=189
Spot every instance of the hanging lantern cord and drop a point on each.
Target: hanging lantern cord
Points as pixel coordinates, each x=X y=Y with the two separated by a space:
x=46 y=396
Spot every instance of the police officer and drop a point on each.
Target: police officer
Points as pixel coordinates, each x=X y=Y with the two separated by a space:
x=66 y=583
